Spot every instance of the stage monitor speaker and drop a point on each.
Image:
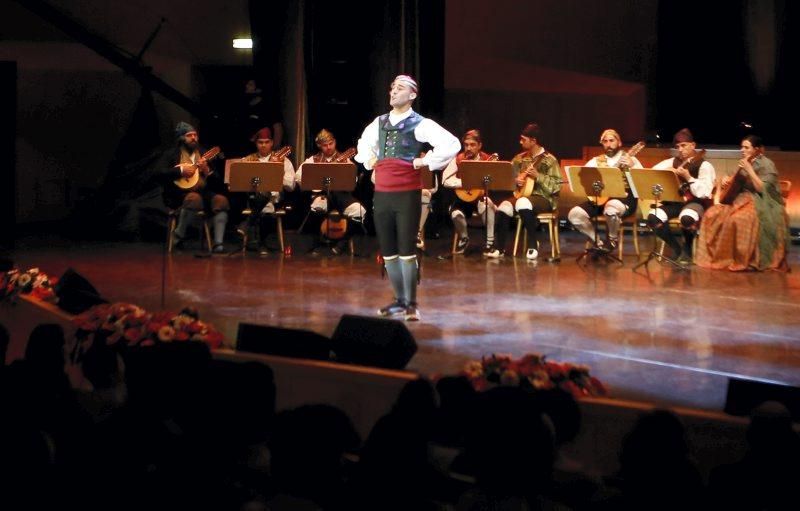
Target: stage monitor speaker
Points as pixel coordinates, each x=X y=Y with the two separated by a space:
x=75 y=293
x=373 y=342
x=744 y=395
x=284 y=342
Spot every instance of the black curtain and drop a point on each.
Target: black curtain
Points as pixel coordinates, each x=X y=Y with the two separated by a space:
x=8 y=170
x=352 y=52
x=706 y=78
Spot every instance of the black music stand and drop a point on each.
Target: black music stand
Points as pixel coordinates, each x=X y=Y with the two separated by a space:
x=255 y=177
x=596 y=182
x=488 y=175
x=329 y=177
x=664 y=186
x=260 y=177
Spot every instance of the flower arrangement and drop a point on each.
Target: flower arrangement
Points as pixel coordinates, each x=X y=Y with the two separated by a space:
x=130 y=325
x=533 y=372
x=31 y=282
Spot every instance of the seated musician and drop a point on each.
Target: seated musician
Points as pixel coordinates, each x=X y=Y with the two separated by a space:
x=461 y=210
x=344 y=203
x=697 y=181
x=260 y=204
x=185 y=160
x=536 y=163
x=614 y=209
x=747 y=230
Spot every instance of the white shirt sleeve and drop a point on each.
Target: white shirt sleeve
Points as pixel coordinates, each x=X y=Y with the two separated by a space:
x=591 y=163
x=700 y=187
x=445 y=145
x=367 y=147
x=704 y=184
x=298 y=176
x=288 y=175
x=449 y=178
x=664 y=164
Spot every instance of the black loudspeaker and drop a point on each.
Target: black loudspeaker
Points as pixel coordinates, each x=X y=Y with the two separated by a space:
x=373 y=342
x=744 y=395
x=284 y=342
x=75 y=293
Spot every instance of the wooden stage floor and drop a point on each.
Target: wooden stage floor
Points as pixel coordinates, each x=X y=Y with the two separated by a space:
x=672 y=337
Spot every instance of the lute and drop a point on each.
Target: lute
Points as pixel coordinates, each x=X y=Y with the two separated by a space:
x=526 y=190
x=196 y=180
x=471 y=195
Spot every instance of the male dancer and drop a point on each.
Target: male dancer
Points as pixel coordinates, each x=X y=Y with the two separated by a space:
x=389 y=145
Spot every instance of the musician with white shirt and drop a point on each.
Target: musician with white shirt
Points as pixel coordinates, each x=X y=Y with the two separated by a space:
x=260 y=204
x=461 y=210
x=614 y=209
x=697 y=177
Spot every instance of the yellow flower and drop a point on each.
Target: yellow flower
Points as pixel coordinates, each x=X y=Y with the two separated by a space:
x=23 y=280
x=473 y=369
x=509 y=377
x=166 y=333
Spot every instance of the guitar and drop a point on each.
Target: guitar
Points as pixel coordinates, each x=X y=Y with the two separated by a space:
x=633 y=151
x=281 y=153
x=196 y=180
x=728 y=192
x=343 y=157
x=685 y=187
x=526 y=190
x=471 y=195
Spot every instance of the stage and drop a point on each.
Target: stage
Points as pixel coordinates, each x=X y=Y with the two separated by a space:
x=667 y=336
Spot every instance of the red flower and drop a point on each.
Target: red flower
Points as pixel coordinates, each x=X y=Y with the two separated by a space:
x=162 y=317
x=133 y=335
x=598 y=387
x=572 y=388
x=154 y=326
x=194 y=327
x=214 y=339
x=532 y=372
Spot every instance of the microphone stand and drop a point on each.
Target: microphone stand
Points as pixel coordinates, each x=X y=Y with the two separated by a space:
x=252 y=203
x=656 y=190
x=486 y=181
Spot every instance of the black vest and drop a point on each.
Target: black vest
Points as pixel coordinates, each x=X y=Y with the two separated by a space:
x=399 y=141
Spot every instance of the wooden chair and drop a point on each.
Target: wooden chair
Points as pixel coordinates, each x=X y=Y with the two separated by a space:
x=675 y=225
x=172 y=223
x=785 y=187
x=277 y=215
x=551 y=220
x=631 y=224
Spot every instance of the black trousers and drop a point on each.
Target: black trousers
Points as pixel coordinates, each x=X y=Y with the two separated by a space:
x=397 y=221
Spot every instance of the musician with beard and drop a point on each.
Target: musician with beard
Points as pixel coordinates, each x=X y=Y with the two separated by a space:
x=184 y=160
x=261 y=205
x=537 y=163
x=343 y=202
x=614 y=209
x=697 y=177
x=461 y=210
x=390 y=145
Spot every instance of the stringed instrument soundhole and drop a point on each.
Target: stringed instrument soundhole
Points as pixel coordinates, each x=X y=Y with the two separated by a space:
x=334 y=226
